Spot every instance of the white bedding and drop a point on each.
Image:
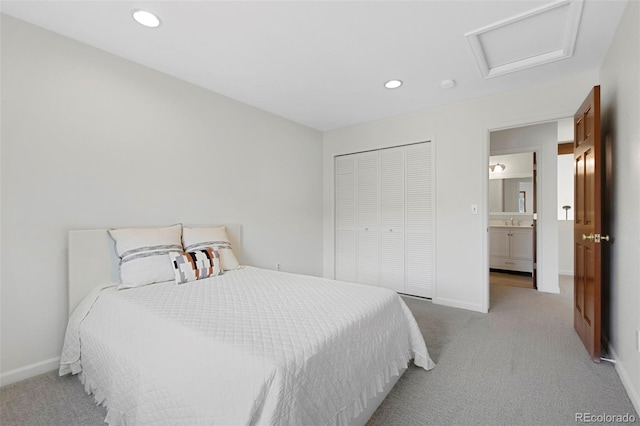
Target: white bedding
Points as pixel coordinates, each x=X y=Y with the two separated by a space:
x=249 y=347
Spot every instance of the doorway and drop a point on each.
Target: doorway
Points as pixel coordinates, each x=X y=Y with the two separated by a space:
x=512 y=203
x=565 y=206
x=541 y=139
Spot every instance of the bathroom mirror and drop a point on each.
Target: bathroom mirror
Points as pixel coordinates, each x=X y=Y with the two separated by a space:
x=512 y=195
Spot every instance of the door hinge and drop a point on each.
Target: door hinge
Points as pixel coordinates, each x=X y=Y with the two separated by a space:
x=535 y=167
x=535 y=265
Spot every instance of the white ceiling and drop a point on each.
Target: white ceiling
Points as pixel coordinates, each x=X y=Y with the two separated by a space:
x=324 y=63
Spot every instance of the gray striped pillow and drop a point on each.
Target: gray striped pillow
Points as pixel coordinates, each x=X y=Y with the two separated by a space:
x=144 y=253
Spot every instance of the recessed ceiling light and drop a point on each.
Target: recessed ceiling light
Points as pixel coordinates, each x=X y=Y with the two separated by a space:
x=145 y=18
x=447 y=84
x=393 y=84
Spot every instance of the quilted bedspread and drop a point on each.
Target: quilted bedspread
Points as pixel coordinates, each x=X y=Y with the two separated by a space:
x=248 y=347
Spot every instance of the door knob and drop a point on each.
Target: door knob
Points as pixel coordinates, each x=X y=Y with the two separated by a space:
x=604 y=237
x=589 y=237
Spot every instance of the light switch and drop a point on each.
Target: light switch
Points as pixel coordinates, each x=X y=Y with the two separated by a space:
x=474 y=209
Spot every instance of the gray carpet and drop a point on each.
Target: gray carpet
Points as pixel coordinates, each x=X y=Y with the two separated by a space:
x=522 y=364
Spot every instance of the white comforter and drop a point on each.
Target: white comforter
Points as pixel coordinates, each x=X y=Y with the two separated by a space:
x=249 y=347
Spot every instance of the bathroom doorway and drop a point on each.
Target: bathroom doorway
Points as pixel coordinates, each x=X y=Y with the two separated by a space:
x=541 y=139
x=512 y=218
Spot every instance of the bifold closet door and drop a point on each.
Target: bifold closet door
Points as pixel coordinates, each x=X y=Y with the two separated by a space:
x=385 y=218
x=419 y=220
x=392 y=195
x=345 y=217
x=367 y=218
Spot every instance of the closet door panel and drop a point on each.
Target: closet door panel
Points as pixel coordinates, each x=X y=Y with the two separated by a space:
x=392 y=260
x=367 y=195
x=367 y=189
x=345 y=201
x=345 y=219
x=419 y=187
x=392 y=264
x=392 y=188
x=419 y=214
x=368 y=272
x=420 y=260
x=346 y=259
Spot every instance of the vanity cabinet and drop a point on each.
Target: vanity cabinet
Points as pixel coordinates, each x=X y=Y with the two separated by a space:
x=511 y=248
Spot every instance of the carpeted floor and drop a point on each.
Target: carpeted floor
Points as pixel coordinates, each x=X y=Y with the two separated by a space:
x=522 y=364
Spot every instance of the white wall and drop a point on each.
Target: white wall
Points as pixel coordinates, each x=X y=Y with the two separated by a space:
x=565 y=186
x=620 y=91
x=92 y=140
x=565 y=198
x=461 y=135
x=542 y=138
x=565 y=130
x=565 y=247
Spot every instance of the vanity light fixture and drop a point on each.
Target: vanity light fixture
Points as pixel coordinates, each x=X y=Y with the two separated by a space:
x=497 y=168
x=393 y=84
x=146 y=18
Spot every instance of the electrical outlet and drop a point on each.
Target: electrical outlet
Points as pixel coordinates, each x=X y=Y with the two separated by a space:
x=277 y=266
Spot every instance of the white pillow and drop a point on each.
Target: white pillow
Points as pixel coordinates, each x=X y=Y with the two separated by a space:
x=199 y=238
x=144 y=254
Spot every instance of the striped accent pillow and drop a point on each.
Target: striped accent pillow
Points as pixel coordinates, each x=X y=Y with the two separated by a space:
x=144 y=253
x=195 y=265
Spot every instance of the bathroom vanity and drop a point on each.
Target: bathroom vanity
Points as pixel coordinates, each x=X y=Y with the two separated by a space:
x=511 y=246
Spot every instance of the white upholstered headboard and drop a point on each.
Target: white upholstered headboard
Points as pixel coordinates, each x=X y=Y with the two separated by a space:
x=93 y=260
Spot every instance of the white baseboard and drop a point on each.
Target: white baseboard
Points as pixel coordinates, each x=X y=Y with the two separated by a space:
x=29 y=371
x=565 y=272
x=624 y=378
x=552 y=290
x=458 y=304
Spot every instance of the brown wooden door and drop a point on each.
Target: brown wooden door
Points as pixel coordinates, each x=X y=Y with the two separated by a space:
x=588 y=175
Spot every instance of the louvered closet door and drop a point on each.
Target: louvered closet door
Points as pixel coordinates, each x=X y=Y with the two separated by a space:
x=392 y=264
x=346 y=232
x=419 y=219
x=367 y=217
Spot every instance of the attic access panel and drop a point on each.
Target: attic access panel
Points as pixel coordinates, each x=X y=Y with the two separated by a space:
x=539 y=36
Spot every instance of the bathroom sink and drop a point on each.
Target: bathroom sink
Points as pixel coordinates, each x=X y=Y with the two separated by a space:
x=509 y=224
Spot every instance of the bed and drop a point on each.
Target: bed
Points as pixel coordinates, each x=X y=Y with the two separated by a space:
x=250 y=346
